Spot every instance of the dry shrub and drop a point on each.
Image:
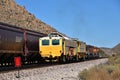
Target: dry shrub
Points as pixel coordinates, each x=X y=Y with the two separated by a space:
x=108 y=71
x=83 y=74
x=111 y=68
x=98 y=74
x=95 y=74
x=114 y=60
x=116 y=75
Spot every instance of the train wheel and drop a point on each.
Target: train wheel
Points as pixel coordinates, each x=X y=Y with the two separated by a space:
x=62 y=59
x=51 y=60
x=77 y=58
x=84 y=58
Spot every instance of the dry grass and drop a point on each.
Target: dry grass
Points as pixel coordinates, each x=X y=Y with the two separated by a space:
x=116 y=75
x=108 y=71
x=95 y=74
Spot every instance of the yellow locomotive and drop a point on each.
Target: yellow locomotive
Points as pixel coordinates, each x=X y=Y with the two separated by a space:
x=57 y=46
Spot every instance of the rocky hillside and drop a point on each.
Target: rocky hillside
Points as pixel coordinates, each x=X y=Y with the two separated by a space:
x=111 y=51
x=107 y=51
x=14 y=14
x=116 y=49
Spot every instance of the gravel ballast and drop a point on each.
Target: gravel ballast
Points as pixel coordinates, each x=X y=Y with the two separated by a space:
x=57 y=72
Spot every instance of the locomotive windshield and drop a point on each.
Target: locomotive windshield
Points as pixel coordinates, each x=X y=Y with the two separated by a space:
x=45 y=42
x=55 y=42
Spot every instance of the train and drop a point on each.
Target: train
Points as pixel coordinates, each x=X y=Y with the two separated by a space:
x=57 y=46
x=35 y=47
x=16 y=41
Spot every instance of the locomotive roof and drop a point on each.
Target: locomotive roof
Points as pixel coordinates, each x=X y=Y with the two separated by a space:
x=92 y=46
x=58 y=34
x=50 y=38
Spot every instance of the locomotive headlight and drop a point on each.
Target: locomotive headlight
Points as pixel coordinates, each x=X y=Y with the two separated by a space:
x=40 y=51
x=60 y=51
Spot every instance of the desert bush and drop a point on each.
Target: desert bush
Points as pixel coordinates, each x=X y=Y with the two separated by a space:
x=116 y=75
x=108 y=71
x=114 y=60
x=83 y=74
x=111 y=68
x=94 y=74
x=98 y=74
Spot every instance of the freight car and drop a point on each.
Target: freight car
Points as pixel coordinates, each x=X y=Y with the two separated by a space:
x=61 y=48
x=16 y=41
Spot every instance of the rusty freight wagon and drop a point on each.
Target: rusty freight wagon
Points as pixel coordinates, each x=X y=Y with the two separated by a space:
x=16 y=41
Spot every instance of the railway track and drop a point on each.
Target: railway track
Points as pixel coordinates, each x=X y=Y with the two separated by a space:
x=45 y=64
x=52 y=72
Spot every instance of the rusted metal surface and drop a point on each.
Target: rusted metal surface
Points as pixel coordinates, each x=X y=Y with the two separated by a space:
x=15 y=40
x=92 y=49
x=82 y=47
x=71 y=43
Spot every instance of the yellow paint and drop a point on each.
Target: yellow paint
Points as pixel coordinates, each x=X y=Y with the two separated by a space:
x=78 y=46
x=81 y=54
x=57 y=50
x=53 y=50
x=64 y=48
x=74 y=53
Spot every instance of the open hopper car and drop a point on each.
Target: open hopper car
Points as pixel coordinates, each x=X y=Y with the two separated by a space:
x=16 y=41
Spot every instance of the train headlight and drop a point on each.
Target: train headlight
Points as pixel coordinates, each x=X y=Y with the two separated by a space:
x=40 y=51
x=60 y=51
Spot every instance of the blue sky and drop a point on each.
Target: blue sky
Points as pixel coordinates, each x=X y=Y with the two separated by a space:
x=97 y=22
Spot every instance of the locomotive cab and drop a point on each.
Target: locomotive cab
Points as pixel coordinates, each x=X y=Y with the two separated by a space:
x=51 y=47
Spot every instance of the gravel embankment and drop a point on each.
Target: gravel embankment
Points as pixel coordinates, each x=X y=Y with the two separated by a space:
x=58 y=72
